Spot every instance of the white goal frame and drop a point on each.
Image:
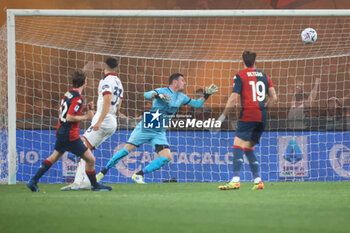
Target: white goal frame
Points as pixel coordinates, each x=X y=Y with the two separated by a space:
x=11 y=43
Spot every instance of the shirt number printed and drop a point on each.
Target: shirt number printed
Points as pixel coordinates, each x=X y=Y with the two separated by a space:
x=258 y=90
x=117 y=92
x=63 y=111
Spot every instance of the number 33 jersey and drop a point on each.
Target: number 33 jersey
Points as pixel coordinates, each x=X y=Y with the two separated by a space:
x=110 y=84
x=252 y=85
x=72 y=103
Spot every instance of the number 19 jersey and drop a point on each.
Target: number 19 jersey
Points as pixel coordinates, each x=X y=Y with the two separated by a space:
x=110 y=84
x=252 y=85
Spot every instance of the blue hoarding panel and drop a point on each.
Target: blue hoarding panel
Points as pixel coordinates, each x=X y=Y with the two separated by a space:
x=201 y=157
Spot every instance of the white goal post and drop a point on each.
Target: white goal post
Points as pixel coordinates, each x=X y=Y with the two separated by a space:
x=338 y=53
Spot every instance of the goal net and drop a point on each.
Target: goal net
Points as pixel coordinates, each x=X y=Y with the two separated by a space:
x=306 y=136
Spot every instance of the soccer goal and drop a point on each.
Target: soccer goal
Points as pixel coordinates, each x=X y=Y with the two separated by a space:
x=306 y=136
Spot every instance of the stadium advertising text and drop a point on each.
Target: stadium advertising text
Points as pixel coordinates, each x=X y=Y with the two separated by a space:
x=200 y=156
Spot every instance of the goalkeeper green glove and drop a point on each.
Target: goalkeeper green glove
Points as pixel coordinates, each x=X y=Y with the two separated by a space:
x=162 y=97
x=210 y=90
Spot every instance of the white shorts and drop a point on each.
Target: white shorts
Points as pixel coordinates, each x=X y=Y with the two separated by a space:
x=95 y=138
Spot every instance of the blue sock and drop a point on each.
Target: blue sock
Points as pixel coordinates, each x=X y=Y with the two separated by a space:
x=45 y=165
x=155 y=164
x=92 y=177
x=253 y=163
x=237 y=160
x=115 y=159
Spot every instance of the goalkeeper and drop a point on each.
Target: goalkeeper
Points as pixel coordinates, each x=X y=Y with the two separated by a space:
x=166 y=102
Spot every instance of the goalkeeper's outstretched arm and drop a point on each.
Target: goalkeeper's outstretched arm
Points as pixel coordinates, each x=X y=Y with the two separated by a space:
x=155 y=94
x=208 y=92
x=197 y=103
x=149 y=95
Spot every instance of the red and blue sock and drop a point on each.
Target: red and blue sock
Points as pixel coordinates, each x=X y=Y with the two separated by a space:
x=92 y=177
x=45 y=166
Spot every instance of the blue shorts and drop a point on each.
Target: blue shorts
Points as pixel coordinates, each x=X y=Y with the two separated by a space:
x=140 y=136
x=63 y=144
x=250 y=131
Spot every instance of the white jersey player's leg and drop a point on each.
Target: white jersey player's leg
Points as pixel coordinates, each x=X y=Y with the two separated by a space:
x=93 y=139
x=81 y=179
x=79 y=175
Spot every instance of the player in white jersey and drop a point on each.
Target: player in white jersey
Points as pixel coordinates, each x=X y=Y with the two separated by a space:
x=104 y=123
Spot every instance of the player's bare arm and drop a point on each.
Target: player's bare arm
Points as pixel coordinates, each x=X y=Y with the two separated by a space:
x=107 y=98
x=91 y=106
x=231 y=103
x=272 y=98
x=89 y=115
x=119 y=107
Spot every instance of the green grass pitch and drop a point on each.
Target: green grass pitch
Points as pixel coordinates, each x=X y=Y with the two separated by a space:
x=178 y=207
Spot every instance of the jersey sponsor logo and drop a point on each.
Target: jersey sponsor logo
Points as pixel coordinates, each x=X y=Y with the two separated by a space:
x=254 y=74
x=106 y=86
x=76 y=109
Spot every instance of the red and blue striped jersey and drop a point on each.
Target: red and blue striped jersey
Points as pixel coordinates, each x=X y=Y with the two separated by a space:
x=72 y=103
x=252 y=85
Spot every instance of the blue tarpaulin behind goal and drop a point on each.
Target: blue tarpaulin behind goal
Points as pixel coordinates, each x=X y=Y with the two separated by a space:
x=201 y=157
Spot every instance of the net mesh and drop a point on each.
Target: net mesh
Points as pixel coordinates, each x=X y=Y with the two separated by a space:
x=298 y=143
x=3 y=107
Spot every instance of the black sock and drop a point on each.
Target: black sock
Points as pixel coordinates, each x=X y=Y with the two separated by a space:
x=104 y=171
x=45 y=165
x=140 y=173
x=92 y=177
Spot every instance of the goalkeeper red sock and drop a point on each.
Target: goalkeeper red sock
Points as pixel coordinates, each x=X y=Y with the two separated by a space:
x=92 y=177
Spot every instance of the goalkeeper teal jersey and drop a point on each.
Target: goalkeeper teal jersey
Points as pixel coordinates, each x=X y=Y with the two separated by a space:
x=167 y=109
x=171 y=107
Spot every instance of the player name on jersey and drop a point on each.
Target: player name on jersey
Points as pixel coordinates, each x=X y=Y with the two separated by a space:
x=254 y=74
